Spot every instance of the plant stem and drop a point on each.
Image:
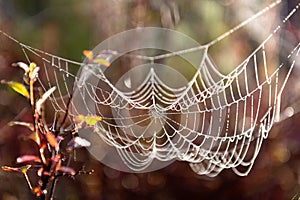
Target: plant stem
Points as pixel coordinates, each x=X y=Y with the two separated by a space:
x=28 y=181
x=52 y=189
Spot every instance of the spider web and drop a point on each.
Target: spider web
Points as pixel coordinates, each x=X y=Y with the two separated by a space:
x=214 y=121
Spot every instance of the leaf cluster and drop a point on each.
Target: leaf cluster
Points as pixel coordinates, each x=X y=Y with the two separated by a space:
x=52 y=159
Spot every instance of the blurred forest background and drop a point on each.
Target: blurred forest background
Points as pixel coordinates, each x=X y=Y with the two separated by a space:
x=66 y=28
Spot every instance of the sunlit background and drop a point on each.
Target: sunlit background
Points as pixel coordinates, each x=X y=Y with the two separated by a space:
x=66 y=28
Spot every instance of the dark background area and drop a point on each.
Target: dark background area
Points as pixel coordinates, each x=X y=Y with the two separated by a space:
x=66 y=28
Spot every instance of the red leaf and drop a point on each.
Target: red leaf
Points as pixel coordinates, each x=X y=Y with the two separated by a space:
x=10 y=169
x=57 y=158
x=52 y=140
x=42 y=100
x=40 y=171
x=28 y=158
x=37 y=191
x=67 y=170
x=88 y=54
x=22 y=169
x=28 y=125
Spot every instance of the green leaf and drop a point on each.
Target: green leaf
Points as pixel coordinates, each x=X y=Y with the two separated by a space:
x=92 y=119
x=33 y=71
x=101 y=61
x=32 y=66
x=35 y=137
x=24 y=169
x=18 y=87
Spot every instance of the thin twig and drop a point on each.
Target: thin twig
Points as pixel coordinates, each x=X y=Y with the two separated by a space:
x=28 y=181
x=67 y=110
x=52 y=189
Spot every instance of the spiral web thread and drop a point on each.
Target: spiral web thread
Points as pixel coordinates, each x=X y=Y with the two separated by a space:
x=215 y=122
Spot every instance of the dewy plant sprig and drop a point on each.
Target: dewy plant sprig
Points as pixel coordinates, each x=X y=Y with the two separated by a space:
x=52 y=159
